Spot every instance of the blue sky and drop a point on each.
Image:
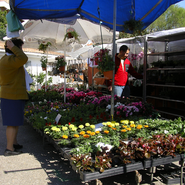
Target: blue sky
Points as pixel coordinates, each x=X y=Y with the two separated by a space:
x=181 y=4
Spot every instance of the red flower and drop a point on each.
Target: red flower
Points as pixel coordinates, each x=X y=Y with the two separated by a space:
x=90 y=117
x=81 y=119
x=73 y=119
x=59 y=123
x=69 y=123
x=49 y=123
x=97 y=117
x=46 y=124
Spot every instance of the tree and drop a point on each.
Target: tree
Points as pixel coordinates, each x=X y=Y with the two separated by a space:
x=3 y=23
x=172 y=18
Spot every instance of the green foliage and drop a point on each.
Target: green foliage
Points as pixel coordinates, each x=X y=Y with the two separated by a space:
x=44 y=47
x=40 y=78
x=74 y=35
x=3 y=23
x=60 y=61
x=44 y=61
x=173 y=18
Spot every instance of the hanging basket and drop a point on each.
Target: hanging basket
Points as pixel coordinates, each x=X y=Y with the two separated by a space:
x=44 y=68
x=108 y=74
x=62 y=69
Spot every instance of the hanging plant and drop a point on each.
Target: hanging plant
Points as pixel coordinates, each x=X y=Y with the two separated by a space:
x=43 y=47
x=72 y=34
x=134 y=26
x=44 y=61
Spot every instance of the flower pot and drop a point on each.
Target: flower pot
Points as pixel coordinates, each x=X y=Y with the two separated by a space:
x=44 y=68
x=62 y=68
x=69 y=35
x=108 y=74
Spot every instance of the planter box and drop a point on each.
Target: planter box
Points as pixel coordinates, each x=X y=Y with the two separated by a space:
x=88 y=176
x=161 y=161
x=173 y=178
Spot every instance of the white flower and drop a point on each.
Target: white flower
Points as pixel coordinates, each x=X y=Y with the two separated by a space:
x=165 y=131
x=46 y=118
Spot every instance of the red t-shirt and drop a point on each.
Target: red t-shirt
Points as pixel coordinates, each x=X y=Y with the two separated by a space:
x=121 y=75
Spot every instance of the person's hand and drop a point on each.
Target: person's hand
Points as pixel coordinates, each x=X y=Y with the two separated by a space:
x=9 y=44
x=110 y=88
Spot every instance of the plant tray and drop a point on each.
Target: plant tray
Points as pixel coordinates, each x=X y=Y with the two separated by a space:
x=172 y=178
x=88 y=176
x=161 y=161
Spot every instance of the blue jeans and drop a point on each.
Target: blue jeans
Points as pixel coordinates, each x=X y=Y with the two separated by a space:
x=122 y=91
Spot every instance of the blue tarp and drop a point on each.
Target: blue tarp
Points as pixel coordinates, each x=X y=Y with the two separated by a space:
x=94 y=10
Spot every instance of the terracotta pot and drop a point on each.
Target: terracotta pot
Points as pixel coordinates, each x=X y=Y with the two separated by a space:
x=44 y=68
x=62 y=69
x=69 y=35
x=108 y=74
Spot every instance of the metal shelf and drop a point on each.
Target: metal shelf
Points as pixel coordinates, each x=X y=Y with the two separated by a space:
x=165 y=99
x=169 y=112
x=165 y=85
x=167 y=53
x=163 y=69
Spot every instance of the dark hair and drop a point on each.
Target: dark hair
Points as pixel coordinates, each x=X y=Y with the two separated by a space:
x=17 y=42
x=124 y=48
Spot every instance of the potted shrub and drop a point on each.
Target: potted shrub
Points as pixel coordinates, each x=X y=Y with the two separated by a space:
x=72 y=34
x=60 y=65
x=105 y=62
x=44 y=62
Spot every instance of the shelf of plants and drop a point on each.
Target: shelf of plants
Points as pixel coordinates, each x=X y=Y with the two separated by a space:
x=96 y=147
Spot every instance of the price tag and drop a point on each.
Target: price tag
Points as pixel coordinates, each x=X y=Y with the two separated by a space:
x=58 y=118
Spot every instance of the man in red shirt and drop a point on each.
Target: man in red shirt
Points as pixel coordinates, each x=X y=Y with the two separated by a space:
x=122 y=68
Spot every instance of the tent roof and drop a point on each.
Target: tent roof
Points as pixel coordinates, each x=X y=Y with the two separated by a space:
x=144 y=10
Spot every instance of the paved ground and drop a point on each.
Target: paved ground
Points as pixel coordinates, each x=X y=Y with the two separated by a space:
x=40 y=165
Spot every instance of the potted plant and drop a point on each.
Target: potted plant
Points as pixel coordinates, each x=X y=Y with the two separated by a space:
x=134 y=26
x=60 y=63
x=44 y=62
x=43 y=47
x=72 y=34
x=105 y=62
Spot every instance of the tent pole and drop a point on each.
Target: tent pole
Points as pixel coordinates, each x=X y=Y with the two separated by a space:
x=113 y=54
x=65 y=67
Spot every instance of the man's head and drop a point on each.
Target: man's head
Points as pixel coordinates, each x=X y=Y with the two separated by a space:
x=17 y=42
x=123 y=52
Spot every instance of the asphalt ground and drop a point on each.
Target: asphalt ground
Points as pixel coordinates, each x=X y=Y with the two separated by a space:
x=41 y=164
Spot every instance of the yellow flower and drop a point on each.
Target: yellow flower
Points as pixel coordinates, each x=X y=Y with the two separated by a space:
x=87 y=124
x=131 y=122
x=146 y=126
x=30 y=111
x=65 y=137
x=116 y=124
x=53 y=128
x=81 y=126
x=123 y=130
x=106 y=131
x=86 y=136
x=74 y=129
x=88 y=132
x=104 y=123
x=139 y=126
x=110 y=126
x=76 y=135
x=124 y=126
x=128 y=128
x=92 y=126
x=64 y=128
x=132 y=125
x=71 y=126
x=113 y=128
x=92 y=133
x=97 y=132
x=82 y=132
x=124 y=121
